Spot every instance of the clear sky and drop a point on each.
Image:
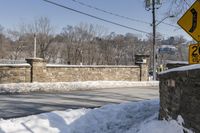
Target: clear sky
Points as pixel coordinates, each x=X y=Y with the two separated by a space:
x=14 y=12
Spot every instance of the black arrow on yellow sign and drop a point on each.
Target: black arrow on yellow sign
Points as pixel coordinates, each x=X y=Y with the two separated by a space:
x=194 y=20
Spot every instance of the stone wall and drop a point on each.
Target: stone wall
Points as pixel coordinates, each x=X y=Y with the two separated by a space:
x=15 y=73
x=36 y=70
x=42 y=72
x=180 y=95
x=92 y=73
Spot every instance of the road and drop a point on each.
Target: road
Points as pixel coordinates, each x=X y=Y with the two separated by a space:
x=13 y=106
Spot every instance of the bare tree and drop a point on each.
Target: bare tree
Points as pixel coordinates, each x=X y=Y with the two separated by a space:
x=22 y=39
x=178 y=7
x=45 y=35
x=18 y=44
x=80 y=43
x=179 y=44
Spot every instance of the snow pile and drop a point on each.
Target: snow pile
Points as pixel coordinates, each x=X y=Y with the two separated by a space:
x=68 y=86
x=134 y=117
x=164 y=126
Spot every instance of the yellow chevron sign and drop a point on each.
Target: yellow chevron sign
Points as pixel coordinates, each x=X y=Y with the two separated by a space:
x=190 y=21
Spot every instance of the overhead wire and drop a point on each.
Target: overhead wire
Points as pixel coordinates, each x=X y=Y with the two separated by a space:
x=108 y=12
x=117 y=15
x=170 y=25
x=92 y=16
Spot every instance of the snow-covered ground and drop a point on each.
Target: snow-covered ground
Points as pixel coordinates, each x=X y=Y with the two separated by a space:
x=132 y=117
x=68 y=86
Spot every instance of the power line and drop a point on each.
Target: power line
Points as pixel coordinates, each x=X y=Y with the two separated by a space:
x=117 y=15
x=108 y=12
x=83 y=13
x=170 y=25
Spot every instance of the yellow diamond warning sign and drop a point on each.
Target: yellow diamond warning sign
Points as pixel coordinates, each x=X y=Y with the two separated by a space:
x=190 y=21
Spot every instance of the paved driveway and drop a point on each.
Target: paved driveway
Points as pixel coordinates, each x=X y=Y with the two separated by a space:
x=12 y=106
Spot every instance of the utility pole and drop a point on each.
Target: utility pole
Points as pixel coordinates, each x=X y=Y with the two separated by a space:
x=151 y=5
x=35 y=46
x=154 y=39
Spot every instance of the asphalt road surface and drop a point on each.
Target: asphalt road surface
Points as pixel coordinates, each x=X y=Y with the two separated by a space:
x=13 y=106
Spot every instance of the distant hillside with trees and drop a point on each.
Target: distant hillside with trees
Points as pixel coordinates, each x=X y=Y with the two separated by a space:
x=84 y=43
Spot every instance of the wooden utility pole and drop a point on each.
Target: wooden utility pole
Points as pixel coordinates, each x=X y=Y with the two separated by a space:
x=154 y=39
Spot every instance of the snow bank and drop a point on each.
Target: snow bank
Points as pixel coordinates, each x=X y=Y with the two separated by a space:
x=68 y=86
x=171 y=126
x=133 y=117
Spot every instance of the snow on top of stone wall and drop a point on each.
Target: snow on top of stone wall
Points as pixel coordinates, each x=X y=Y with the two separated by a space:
x=184 y=68
x=14 y=65
x=177 y=62
x=91 y=66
